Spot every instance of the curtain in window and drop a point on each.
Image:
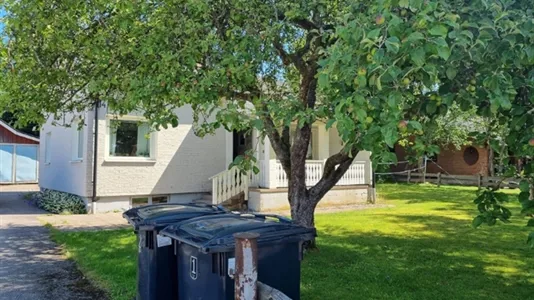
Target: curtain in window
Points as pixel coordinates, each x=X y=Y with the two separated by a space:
x=143 y=146
x=112 y=140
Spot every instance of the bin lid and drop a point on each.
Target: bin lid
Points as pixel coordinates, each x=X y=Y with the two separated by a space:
x=153 y=216
x=215 y=233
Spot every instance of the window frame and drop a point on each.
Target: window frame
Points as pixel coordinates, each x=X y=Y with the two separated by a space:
x=152 y=141
x=47 y=150
x=149 y=199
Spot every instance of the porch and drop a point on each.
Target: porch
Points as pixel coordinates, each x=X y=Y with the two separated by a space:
x=267 y=190
x=272 y=177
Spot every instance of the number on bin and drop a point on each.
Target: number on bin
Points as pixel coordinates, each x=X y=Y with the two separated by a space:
x=194 y=268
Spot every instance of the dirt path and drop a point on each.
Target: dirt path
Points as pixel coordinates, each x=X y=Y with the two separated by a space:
x=31 y=265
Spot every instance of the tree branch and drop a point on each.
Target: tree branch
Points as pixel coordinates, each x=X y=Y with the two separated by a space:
x=334 y=168
x=280 y=147
x=290 y=58
x=300 y=22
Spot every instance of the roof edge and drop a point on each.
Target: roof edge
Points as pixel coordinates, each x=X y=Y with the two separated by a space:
x=18 y=133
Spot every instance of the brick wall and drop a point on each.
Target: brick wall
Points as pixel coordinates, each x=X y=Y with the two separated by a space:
x=183 y=163
x=450 y=160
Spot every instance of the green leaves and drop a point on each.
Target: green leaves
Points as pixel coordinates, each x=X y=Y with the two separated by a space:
x=489 y=206
x=444 y=52
x=415 y=36
x=477 y=221
x=524 y=186
x=451 y=73
x=393 y=44
x=390 y=135
x=418 y=56
x=439 y=30
x=530 y=240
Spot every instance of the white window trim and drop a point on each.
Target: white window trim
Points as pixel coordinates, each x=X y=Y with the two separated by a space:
x=75 y=136
x=149 y=199
x=109 y=158
x=47 y=148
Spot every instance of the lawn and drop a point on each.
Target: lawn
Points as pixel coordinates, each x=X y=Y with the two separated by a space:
x=422 y=248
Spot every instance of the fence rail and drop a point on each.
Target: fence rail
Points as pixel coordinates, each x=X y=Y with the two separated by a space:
x=467 y=180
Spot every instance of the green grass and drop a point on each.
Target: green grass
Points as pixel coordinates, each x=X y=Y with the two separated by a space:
x=108 y=258
x=423 y=248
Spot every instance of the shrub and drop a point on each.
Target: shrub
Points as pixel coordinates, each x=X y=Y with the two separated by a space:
x=60 y=202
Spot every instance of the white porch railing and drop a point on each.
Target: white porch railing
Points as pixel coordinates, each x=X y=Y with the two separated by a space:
x=228 y=184
x=272 y=175
x=354 y=175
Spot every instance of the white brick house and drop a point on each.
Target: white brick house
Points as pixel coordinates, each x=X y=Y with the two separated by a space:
x=135 y=167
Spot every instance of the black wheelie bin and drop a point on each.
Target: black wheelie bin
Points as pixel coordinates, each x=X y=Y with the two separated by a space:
x=156 y=267
x=205 y=252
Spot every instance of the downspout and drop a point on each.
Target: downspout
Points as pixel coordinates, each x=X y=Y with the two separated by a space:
x=95 y=155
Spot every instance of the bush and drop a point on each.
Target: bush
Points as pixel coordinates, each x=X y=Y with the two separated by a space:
x=60 y=202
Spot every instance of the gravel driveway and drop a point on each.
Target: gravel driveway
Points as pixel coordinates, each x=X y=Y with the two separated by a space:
x=31 y=265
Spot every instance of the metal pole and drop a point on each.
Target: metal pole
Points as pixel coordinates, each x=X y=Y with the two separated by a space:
x=246 y=263
x=95 y=156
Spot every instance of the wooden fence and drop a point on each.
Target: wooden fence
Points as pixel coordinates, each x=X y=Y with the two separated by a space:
x=467 y=180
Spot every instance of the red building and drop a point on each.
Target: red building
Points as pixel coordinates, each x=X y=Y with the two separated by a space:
x=19 y=154
x=469 y=160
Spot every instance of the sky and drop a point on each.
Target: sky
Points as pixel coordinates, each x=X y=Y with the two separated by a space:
x=2 y=13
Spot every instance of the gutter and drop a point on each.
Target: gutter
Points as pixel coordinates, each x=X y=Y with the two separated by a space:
x=95 y=155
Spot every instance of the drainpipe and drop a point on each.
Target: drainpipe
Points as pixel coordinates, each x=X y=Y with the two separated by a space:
x=95 y=155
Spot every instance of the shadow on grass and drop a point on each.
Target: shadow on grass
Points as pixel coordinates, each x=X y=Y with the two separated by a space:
x=108 y=258
x=449 y=261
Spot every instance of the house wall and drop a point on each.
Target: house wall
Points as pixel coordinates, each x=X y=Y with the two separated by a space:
x=122 y=203
x=452 y=161
x=449 y=160
x=183 y=162
x=63 y=173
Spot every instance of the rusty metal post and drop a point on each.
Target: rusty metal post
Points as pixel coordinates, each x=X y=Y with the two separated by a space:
x=246 y=265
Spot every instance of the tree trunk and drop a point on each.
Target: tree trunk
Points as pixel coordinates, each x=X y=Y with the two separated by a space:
x=491 y=167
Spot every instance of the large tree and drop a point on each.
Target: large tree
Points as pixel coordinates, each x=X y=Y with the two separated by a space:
x=368 y=67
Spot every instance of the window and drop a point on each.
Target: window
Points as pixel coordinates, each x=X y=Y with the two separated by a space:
x=159 y=199
x=129 y=139
x=142 y=201
x=136 y=202
x=471 y=155
x=48 y=153
x=78 y=142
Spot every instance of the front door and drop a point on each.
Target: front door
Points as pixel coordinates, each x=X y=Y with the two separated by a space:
x=242 y=143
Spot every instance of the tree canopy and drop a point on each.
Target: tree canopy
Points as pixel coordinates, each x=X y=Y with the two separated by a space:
x=372 y=69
